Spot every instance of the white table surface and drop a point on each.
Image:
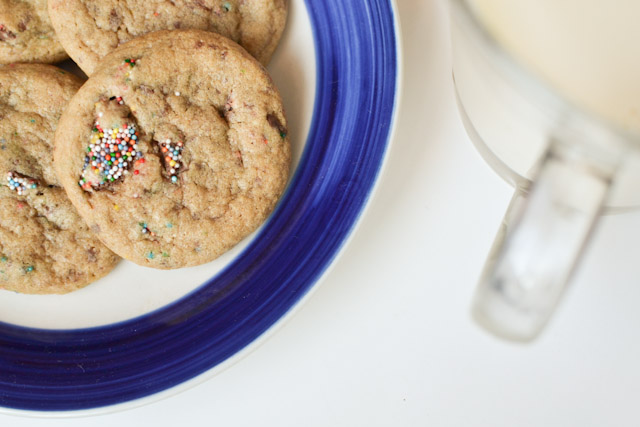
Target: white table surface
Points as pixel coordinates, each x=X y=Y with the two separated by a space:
x=387 y=340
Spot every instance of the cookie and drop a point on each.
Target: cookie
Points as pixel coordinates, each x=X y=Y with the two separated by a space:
x=45 y=247
x=90 y=29
x=26 y=34
x=175 y=149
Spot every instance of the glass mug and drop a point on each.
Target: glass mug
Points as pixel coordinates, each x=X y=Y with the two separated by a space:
x=549 y=93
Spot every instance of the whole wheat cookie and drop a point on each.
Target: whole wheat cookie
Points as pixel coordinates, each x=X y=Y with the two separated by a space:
x=90 y=29
x=175 y=149
x=26 y=34
x=45 y=247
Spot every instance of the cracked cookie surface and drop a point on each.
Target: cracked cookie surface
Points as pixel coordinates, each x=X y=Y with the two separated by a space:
x=26 y=33
x=90 y=29
x=45 y=247
x=207 y=161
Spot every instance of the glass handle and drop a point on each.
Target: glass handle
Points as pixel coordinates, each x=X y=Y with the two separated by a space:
x=539 y=243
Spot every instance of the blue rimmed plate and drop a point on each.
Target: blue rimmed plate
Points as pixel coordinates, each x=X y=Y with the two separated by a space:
x=141 y=332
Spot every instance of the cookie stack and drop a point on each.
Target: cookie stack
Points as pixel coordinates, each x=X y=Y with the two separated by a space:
x=173 y=150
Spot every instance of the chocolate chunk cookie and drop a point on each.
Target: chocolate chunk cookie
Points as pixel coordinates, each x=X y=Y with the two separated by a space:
x=26 y=34
x=45 y=247
x=175 y=149
x=90 y=29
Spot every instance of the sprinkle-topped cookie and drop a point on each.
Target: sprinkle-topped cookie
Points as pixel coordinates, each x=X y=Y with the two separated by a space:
x=173 y=168
x=45 y=247
x=90 y=29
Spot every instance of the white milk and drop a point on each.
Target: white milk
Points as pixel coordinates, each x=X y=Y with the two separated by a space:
x=588 y=50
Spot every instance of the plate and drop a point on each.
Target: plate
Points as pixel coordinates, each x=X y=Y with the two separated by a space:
x=54 y=366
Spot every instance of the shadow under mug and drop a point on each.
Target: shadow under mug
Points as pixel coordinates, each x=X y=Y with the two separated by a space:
x=566 y=165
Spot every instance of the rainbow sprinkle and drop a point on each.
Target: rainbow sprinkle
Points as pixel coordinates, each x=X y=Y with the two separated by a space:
x=145 y=229
x=172 y=154
x=20 y=183
x=110 y=155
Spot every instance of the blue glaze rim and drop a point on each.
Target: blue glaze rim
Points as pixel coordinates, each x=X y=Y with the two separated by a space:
x=357 y=74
